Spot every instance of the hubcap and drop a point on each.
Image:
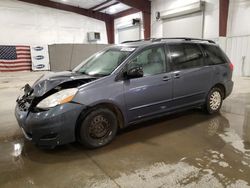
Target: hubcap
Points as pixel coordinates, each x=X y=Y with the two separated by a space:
x=99 y=127
x=215 y=100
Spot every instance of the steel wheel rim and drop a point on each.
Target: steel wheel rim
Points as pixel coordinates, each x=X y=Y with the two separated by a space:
x=99 y=127
x=215 y=100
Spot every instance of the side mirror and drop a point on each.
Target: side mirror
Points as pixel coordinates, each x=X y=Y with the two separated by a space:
x=135 y=72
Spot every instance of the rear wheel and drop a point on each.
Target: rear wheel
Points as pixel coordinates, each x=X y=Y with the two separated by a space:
x=98 y=128
x=214 y=100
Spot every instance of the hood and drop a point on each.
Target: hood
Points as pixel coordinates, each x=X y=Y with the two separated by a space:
x=51 y=80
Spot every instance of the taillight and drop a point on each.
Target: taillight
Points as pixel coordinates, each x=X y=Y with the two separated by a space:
x=231 y=66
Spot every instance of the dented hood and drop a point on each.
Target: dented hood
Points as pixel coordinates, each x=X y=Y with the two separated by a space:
x=51 y=80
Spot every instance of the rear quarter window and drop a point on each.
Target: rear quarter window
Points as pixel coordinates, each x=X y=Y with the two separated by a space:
x=214 y=55
x=185 y=56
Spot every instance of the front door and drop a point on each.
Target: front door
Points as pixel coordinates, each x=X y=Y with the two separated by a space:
x=152 y=93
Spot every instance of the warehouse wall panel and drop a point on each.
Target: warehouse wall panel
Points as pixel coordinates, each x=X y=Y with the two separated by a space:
x=68 y=56
x=238 y=50
x=238 y=36
x=24 y=23
x=238 y=18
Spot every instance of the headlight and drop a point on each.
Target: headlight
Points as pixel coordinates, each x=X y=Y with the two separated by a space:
x=60 y=97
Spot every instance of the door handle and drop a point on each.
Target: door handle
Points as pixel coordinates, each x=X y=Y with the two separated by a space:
x=177 y=75
x=166 y=78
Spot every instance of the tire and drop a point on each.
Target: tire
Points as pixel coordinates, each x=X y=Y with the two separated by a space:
x=98 y=128
x=214 y=101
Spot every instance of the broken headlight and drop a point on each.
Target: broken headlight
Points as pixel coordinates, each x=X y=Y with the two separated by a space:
x=60 y=97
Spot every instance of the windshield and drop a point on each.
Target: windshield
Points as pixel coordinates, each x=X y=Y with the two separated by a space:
x=104 y=63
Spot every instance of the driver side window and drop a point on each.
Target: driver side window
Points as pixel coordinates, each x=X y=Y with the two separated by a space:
x=151 y=60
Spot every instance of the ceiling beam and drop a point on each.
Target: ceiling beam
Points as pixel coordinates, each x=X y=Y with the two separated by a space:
x=70 y=8
x=105 y=7
x=125 y=13
x=101 y=4
x=142 y=5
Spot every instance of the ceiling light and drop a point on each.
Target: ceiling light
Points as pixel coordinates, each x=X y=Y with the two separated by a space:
x=112 y=10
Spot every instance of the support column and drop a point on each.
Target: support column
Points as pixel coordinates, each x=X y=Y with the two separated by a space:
x=146 y=24
x=223 y=16
x=110 y=31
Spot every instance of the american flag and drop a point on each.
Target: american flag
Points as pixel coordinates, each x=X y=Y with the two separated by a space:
x=15 y=58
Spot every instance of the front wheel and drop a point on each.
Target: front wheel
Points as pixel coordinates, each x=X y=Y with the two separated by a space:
x=98 y=128
x=214 y=101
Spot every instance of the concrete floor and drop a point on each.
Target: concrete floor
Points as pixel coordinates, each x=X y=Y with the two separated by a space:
x=10 y=84
x=188 y=149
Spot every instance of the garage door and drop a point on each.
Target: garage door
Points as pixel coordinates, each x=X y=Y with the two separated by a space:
x=129 y=33
x=184 y=26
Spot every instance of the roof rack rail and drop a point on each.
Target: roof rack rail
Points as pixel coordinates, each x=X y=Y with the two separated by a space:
x=183 y=38
x=148 y=39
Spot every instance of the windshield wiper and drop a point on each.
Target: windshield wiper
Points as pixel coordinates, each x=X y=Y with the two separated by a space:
x=94 y=75
x=83 y=72
x=100 y=75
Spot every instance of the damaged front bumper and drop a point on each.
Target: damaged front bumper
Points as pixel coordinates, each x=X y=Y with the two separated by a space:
x=49 y=128
x=56 y=125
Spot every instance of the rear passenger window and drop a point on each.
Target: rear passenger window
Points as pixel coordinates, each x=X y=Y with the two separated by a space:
x=213 y=54
x=185 y=56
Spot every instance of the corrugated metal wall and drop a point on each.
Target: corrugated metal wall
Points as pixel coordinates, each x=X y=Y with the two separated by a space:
x=238 y=50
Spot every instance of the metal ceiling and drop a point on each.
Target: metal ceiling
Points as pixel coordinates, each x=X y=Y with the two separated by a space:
x=105 y=6
x=81 y=3
x=116 y=8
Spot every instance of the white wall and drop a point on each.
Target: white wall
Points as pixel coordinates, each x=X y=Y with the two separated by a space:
x=238 y=50
x=123 y=21
x=238 y=36
x=23 y=23
x=238 y=18
x=211 y=21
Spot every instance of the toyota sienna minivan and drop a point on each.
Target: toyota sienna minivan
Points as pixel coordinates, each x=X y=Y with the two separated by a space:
x=123 y=85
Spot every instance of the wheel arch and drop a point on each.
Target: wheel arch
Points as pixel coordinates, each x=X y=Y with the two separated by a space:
x=114 y=108
x=222 y=88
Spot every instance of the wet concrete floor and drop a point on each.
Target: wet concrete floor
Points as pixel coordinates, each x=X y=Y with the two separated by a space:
x=10 y=84
x=189 y=149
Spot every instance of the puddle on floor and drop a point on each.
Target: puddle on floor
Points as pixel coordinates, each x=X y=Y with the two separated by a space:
x=185 y=150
